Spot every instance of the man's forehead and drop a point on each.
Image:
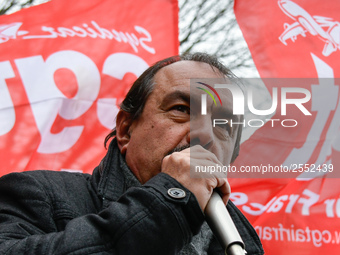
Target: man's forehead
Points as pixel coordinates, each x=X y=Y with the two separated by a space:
x=184 y=75
x=190 y=69
x=178 y=75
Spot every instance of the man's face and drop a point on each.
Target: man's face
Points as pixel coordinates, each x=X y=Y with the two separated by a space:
x=164 y=124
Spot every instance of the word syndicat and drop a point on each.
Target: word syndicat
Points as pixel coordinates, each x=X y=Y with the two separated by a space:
x=95 y=31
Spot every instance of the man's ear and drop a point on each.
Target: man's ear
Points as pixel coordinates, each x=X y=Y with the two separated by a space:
x=123 y=123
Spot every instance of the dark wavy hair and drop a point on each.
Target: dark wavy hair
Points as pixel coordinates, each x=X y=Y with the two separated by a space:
x=141 y=89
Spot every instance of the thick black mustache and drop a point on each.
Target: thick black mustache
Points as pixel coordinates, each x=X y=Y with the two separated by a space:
x=178 y=149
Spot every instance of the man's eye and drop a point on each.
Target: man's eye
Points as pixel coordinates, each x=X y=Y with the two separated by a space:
x=229 y=130
x=226 y=128
x=181 y=108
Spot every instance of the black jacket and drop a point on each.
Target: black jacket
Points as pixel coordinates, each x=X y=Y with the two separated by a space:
x=108 y=212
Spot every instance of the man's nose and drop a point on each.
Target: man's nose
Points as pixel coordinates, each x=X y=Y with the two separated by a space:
x=201 y=132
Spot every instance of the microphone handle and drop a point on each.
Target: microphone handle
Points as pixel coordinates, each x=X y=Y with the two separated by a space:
x=223 y=227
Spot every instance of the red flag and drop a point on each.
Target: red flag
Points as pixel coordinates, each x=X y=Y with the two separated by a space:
x=64 y=69
x=295 y=213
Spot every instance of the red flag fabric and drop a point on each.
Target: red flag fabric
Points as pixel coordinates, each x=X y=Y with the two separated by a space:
x=64 y=69
x=295 y=46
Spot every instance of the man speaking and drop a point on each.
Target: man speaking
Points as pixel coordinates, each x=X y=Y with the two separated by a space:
x=141 y=198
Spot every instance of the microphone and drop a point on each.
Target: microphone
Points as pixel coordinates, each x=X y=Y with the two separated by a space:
x=219 y=220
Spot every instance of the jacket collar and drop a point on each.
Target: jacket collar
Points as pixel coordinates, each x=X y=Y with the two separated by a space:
x=113 y=175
